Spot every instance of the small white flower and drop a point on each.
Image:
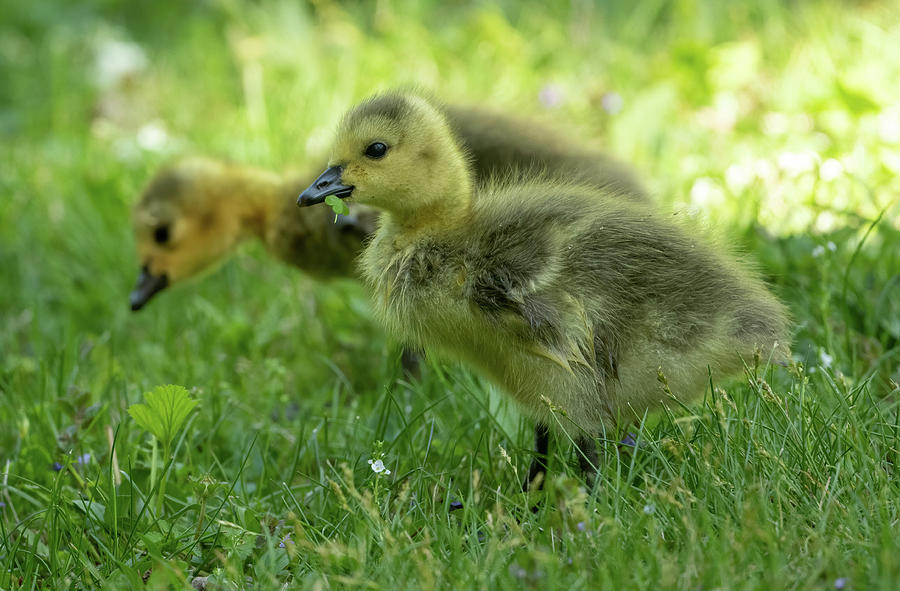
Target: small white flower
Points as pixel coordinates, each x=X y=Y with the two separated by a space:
x=612 y=102
x=378 y=467
x=649 y=509
x=831 y=246
x=818 y=251
x=116 y=60
x=825 y=360
x=152 y=136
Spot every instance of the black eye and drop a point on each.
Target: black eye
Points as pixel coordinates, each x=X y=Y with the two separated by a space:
x=161 y=234
x=376 y=150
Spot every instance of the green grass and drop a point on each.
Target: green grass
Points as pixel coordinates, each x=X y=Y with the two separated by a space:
x=785 y=478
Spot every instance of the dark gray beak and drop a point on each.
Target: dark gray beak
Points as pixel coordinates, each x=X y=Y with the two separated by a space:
x=328 y=183
x=146 y=287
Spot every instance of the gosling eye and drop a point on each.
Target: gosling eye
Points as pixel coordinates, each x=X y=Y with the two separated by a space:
x=161 y=234
x=376 y=150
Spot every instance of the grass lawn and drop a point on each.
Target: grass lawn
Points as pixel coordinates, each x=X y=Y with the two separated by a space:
x=776 y=125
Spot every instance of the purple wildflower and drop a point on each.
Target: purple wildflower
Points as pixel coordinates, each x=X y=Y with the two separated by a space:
x=2 y=504
x=840 y=583
x=57 y=466
x=551 y=96
x=581 y=526
x=83 y=459
x=612 y=102
x=285 y=540
x=629 y=440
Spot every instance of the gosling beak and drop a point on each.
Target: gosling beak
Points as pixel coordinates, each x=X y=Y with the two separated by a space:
x=146 y=287
x=328 y=183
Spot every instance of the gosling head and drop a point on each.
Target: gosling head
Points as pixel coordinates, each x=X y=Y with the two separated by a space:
x=395 y=152
x=179 y=227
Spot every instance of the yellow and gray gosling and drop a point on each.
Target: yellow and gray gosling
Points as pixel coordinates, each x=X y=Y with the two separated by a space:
x=195 y=211
x=563 y=294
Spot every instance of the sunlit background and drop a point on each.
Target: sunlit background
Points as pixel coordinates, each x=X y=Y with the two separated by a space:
x=776 y=124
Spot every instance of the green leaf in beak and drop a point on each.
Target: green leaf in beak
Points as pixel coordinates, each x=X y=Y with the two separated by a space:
x=337 y=205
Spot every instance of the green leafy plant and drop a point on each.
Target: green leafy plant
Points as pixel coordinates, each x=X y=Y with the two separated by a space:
x=376 y=462
x=337 y=205
x=162 y=413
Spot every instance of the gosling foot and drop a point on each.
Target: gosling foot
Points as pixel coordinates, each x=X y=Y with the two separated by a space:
x=586 y=448
x=411 y=362
x=538 y=470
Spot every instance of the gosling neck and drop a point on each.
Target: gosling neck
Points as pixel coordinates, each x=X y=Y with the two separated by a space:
x=447 y=207
x=436 y=217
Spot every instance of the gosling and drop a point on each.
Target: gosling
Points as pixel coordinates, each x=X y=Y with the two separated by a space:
x=569 y=298
x=194 y=212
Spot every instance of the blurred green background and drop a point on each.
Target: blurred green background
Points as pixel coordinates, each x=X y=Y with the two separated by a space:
x=775 y=124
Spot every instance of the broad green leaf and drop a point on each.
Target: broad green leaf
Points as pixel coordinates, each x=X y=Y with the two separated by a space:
x=337 y=205
x=92 y=508
x=858 y=101
x=163 y=412
x=153 y=540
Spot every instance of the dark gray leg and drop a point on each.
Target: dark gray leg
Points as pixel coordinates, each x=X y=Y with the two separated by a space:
x=539 y=463
x=586 y=448
x=411 y=363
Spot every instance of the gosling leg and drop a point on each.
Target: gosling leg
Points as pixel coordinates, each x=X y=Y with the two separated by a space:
x=539 y=462
x=586 y=448
x=411 y=363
